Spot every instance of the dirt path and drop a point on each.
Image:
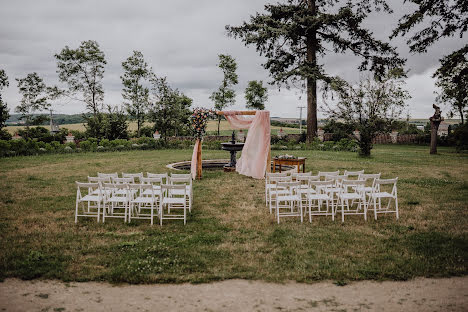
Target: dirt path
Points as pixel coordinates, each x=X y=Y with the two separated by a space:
x=237 y=295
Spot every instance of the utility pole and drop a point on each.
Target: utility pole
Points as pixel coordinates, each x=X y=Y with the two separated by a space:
x=300 y=118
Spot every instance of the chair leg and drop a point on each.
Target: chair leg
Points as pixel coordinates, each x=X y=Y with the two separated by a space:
x=277 y=211
x=375 y=208
x=98 y=210
x=76 y=212
x=300 y=207
x=396 y=207
x=310 y=211
x=152 y=208
x=342 y=210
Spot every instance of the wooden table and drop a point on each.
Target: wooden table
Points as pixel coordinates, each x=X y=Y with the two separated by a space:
x=295 y=162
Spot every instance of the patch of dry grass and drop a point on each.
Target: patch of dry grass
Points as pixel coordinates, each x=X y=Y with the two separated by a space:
x=230 y=233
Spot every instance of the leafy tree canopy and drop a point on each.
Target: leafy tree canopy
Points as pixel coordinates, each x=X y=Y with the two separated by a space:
x=293 y=34
x=256 y=95
x=82 y=69
x=225 y=95
x=170 y=109
x=371 y=107
x=452 y=79
x=445 y=18
x=34 y=98
x=135 y=93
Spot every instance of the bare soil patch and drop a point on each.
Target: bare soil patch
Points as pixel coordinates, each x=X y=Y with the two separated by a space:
x=421 y=294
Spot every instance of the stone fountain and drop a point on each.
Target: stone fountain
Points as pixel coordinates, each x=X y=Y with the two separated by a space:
x=233 y=147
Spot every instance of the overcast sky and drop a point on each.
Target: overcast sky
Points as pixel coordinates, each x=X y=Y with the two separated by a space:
x=180 y=39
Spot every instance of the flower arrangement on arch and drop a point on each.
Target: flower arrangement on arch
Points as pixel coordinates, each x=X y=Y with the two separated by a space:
x=199 y=120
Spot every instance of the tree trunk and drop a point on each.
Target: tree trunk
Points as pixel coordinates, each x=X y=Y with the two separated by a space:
x=311 y=81
x=434 y=129
x=138 y=126
x=460 y=109
x=219 y=121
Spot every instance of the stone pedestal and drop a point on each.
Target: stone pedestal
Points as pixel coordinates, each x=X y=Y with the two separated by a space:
x=321 y=134
x=357 y=134
x=394 y=137
x=156 y=135
x=70 y=138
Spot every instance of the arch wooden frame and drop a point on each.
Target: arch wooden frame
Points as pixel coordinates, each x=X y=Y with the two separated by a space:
x=199 y=150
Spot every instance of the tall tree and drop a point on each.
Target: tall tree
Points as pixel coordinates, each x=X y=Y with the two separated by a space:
x=225 y=95
x=294 y=34
x=4 y=111
x=371 y=107
x=136 y=94
x=34 y=98
x=82 y=69
x=170 y=110
x=444 y=18
x=452 y=79
x=256 y=95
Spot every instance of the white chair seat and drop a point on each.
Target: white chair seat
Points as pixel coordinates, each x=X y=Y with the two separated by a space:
x=144 y=200
x=318 y=197
x=381 y=195
x=90 y=198
x=288 y=197
x=157 y=192
x=173 y=200
x=350 y=196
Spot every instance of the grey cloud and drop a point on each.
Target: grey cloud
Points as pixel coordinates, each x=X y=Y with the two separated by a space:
x=179 y=39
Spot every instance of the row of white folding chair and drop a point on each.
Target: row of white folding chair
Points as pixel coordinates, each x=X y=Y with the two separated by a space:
x=113 y=197
x=136 y=176
x=332 y=193
x=303 y=177
x=131 y=177
x=355 y=193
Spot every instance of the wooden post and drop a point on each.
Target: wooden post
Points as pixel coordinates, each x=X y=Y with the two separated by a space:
x=199 y=160
x=268 y=168
x=436 y=119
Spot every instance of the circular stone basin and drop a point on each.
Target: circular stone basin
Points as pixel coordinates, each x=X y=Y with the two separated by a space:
x=217 y=164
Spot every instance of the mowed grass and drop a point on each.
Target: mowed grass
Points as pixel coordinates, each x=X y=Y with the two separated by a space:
x=230 y=233
x=211 y=128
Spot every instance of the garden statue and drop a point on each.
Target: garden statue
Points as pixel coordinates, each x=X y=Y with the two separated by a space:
x=436 y=119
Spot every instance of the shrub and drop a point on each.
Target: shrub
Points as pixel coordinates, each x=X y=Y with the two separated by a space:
x=5 y=135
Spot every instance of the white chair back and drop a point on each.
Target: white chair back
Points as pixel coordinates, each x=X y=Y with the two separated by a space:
x=108 y=175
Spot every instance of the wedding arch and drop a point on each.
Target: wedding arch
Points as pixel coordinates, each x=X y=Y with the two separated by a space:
x=256 y=155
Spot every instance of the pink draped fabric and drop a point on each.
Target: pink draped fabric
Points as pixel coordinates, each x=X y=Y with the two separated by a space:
x=253 y=160
x=193 y=165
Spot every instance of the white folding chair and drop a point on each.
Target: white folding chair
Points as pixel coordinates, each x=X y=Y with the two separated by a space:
x=335 y=188
x=353 y=175
x=146 y=198
x=108 y=175
x=163 y=176
x=378 y=193
x=123 y=192
x=316 y=196
x=118 y=199
x=90 y=194
x=351 y=190
x=370 y=179
x=304 y=179
x=269 y=186
x=135 y=176
x=290 y=201
x=99 y=180
x=275 y=191
x=170 y=201
x=184 y=179
x=324 y=174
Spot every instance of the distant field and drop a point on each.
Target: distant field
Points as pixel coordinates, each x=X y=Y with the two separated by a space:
x=212 y=127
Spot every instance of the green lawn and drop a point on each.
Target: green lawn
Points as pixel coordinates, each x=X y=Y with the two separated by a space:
x=230 y=233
